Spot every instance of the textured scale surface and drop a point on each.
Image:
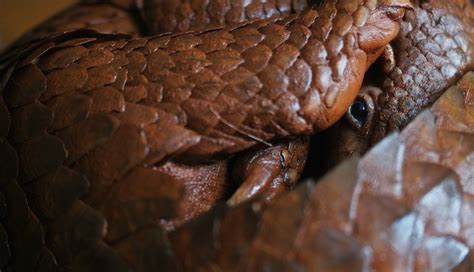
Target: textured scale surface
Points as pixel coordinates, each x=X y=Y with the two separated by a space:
x=433 y=49
x=405 y=206
x=178 y=16
x=105 y=128
x=217 y=84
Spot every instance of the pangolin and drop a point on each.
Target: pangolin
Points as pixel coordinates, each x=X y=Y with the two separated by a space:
x=269 y=81
x=434 y=48
x=406 y=205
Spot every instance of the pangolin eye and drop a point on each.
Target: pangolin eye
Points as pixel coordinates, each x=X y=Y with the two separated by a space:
x=359 y=111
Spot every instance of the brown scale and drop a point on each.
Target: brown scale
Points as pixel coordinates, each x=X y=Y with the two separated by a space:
x=177 y=16
x=161 y=16
x=434 y=48
x=405 y=206
x=94 y=114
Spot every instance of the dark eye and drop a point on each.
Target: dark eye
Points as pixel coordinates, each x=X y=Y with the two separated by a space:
x=359 y=111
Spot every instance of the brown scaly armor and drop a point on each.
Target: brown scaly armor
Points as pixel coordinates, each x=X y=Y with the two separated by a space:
x=432 y=51
x=405 y=206
x=114 y=139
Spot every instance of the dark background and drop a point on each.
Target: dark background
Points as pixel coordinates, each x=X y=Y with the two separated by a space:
x=17 y=16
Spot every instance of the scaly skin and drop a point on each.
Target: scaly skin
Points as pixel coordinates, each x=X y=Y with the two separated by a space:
x=161 y=16
x=165 y=75
x=203 y=184
x=177 y=16
x=405 y=206
x=434 y=48
x=236 y=109
x=92 y=115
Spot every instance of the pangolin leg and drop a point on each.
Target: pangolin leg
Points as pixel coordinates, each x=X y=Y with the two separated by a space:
x=267 y=172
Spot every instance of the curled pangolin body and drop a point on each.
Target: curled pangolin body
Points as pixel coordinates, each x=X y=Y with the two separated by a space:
x=130 y=106
x=221 y=91
x=405 y=206
x=227 y=88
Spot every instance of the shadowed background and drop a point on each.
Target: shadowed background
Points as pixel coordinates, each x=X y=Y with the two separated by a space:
x=17 y=16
